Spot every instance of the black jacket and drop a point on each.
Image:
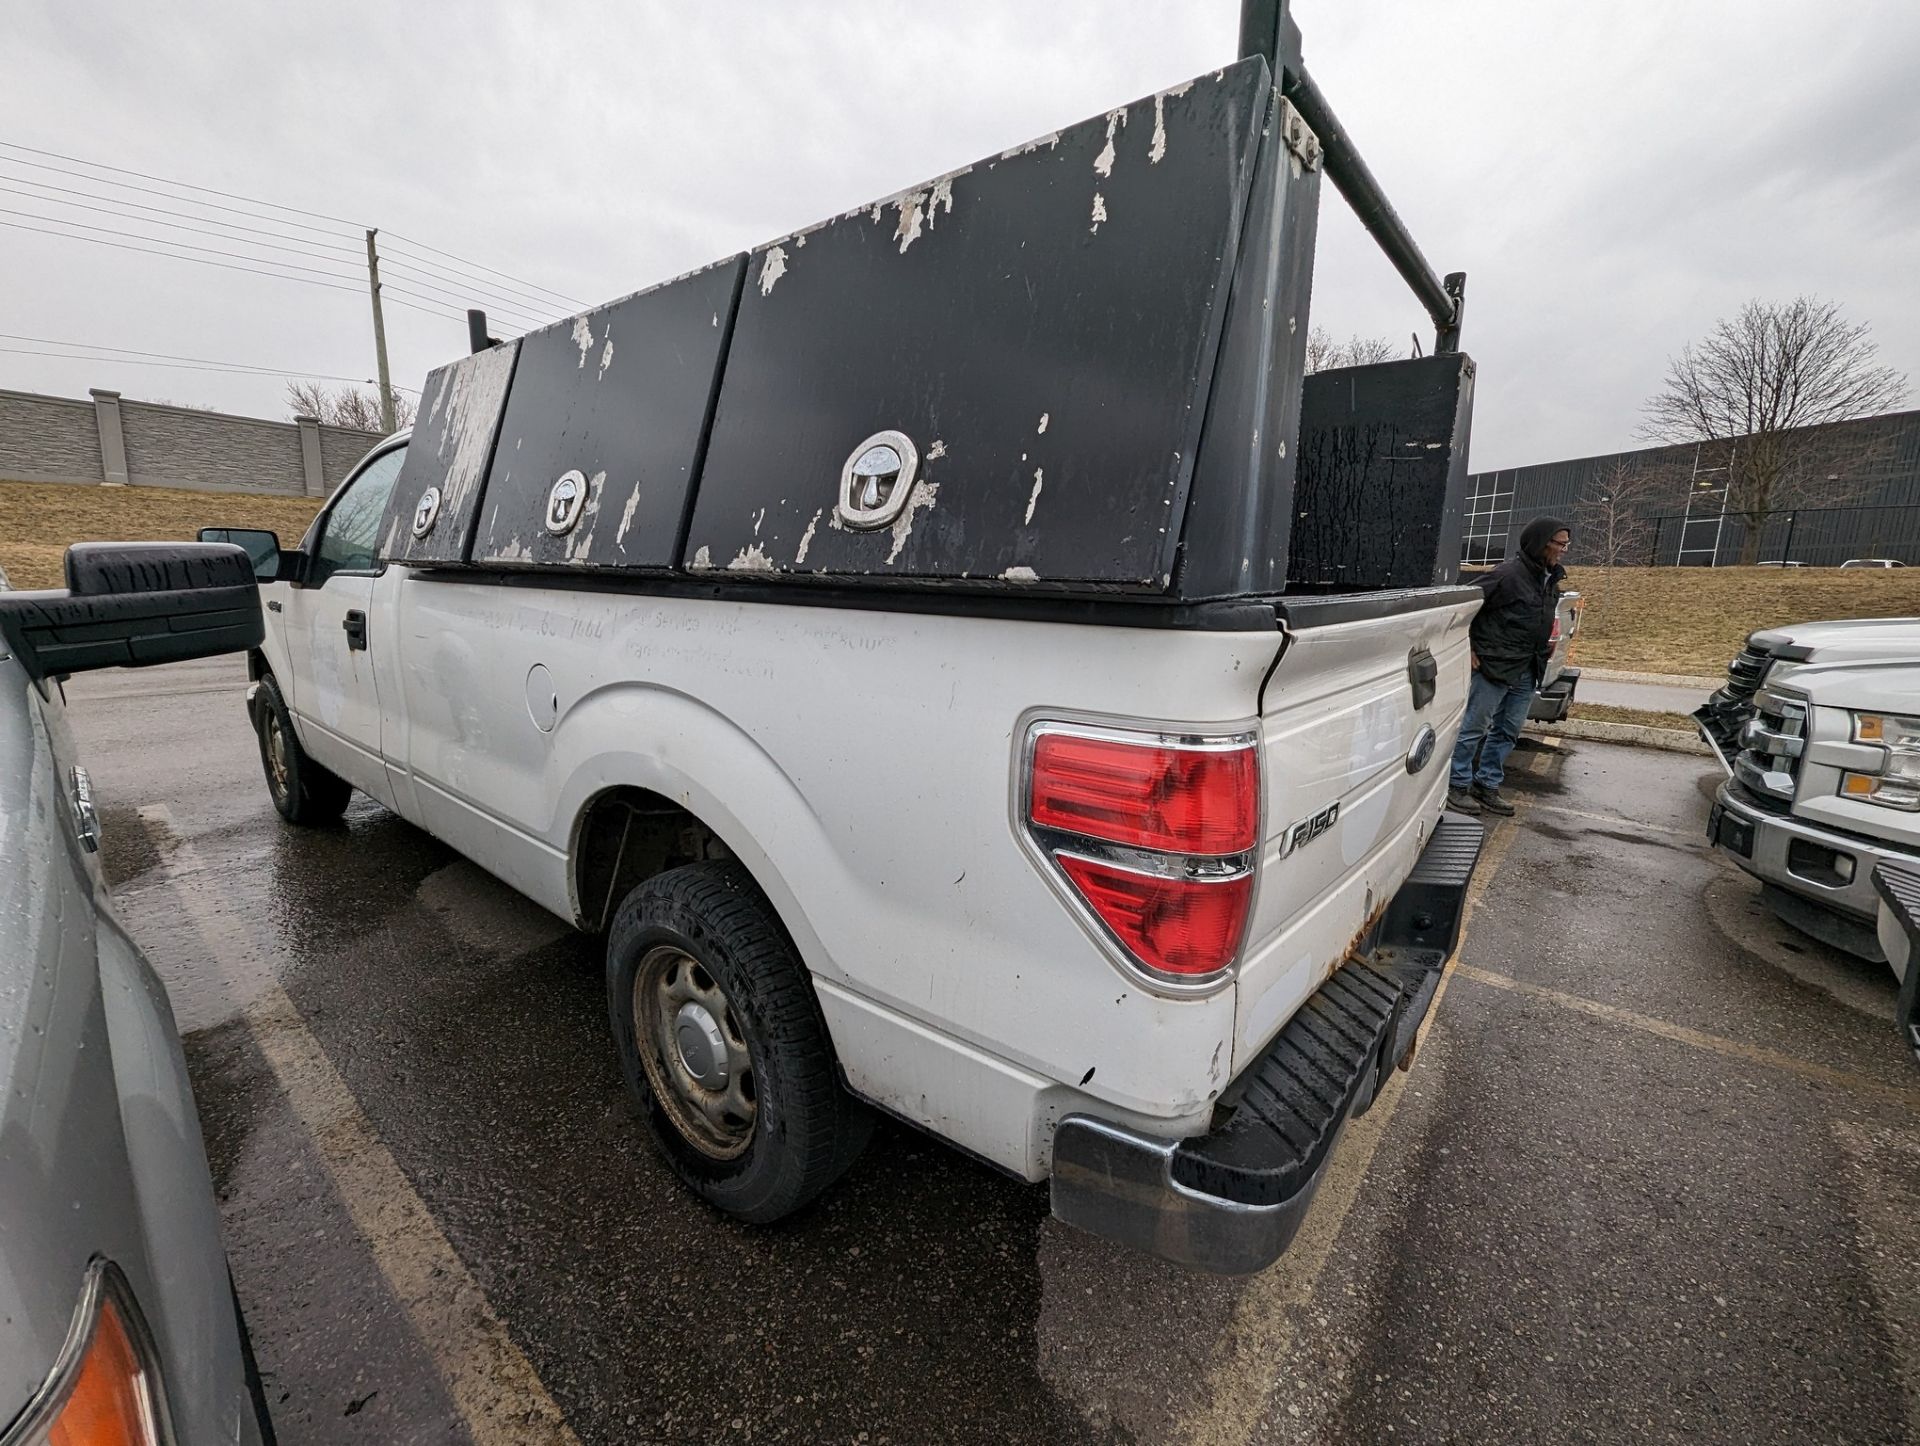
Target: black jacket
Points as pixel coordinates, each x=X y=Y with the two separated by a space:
x=1512 y=633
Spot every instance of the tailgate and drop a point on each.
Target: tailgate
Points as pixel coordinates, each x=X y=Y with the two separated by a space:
x=1346 y=809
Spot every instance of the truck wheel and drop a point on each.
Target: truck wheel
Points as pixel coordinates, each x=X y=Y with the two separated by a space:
x=303 y=791
x=722 y=1044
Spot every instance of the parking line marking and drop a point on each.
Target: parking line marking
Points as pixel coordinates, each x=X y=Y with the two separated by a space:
x=494 y=1387
x=1717 y=1044
x=1240 y=1381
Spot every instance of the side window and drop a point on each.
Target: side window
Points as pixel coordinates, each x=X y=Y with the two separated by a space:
x=352 y=529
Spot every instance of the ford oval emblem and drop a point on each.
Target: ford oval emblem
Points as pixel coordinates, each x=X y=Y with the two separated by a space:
x=1422 y=750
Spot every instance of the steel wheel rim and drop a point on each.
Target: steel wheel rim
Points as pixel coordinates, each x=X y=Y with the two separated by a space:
x=694 y=1052
x=276 y=756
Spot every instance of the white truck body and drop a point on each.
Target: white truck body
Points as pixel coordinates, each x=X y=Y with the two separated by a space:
x=1825 y=787
x=864 y=766
x=962 y=663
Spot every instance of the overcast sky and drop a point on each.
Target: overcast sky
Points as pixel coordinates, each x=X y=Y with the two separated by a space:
x=1612 y=178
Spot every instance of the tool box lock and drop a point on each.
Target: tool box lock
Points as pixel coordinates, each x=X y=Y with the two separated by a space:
x=565 y=501
x=876 y=480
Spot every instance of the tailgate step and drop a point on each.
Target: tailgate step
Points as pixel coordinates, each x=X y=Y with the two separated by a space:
x=1333 y=1054
x=1230 y=1200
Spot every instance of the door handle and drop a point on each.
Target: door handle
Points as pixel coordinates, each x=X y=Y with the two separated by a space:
x=273 y=604
x=355 y=625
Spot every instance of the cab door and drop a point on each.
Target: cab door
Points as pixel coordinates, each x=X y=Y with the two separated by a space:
x=331 y=632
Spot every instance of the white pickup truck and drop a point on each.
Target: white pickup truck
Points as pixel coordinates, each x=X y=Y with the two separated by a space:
x=886 y=640
x=1818 y=733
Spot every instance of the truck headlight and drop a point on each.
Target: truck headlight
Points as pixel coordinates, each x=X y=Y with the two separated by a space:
x=103 y=1390
x=1896 y=783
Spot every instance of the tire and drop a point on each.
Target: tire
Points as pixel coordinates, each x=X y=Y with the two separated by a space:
x=747 y=1108
x=303 y=791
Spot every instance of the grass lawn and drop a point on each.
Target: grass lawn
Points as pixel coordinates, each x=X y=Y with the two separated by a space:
x=39 y=519
x=1692 y=619
x=1645 y=717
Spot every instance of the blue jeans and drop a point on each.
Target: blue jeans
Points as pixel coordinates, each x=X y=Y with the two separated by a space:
x=1495 y=713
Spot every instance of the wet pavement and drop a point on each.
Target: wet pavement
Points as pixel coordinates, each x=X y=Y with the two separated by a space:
x=1654 y=1176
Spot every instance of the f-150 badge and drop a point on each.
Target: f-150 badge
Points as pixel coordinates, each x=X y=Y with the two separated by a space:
x=1309 y=829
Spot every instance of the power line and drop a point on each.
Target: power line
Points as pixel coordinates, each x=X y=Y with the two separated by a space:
x=412 y=258
x=170 y=225
x=458 y=298
x=188 y=185
x=169 y=195
x=96 y=347
x=573 y=301
x=470 y=285
x=157 y=210
x=183 y=245
x=443 y=298
x=225 y=371
x=464 y=290
x=226 y=266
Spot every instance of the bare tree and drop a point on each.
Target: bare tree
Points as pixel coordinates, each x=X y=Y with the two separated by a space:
x=1614 y=522
x=347 y=406
x=1324 y=353
x=1752 y=389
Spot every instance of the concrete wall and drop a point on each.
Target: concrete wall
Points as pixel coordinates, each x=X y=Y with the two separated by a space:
x=48 y=439
x=340 y=449
x=108 y=439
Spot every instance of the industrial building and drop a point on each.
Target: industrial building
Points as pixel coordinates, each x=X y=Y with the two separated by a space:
x=1856 y=494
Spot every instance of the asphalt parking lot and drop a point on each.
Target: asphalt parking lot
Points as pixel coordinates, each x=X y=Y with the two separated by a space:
x=1654 y=1176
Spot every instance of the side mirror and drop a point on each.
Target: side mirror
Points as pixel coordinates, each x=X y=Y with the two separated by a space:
x=271 y=561
x=133 y=604
x=261 y=546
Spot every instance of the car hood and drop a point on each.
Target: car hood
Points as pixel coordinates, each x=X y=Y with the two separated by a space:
x=1891 y=685
x=1846 y=638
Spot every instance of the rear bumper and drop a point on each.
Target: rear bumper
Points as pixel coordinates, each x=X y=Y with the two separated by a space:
x=1553 y=702
x=1230 y=1201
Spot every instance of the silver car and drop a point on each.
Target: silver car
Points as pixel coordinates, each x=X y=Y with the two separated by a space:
x=118 y=1322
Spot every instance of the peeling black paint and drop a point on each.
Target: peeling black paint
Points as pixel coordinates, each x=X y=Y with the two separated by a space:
x=621 y=395
x=961 y=314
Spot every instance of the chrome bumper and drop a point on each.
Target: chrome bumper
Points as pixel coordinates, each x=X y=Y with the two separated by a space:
x=1230 y=1201
x=1770 y=838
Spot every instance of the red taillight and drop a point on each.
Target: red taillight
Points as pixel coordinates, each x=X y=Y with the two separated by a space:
x=1147 y=795
x=1157 y=838
x=1554 y=636
x=1175 y=925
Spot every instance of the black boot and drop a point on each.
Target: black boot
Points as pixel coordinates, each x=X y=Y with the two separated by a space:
x=1460 y=801
x=1491 y=800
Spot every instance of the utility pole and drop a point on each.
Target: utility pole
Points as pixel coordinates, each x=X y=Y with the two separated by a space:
x=379 y=334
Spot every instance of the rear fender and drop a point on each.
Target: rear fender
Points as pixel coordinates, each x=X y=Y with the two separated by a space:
x=703 y=761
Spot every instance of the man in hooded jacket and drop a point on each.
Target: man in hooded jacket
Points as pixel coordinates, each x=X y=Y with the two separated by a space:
x=1511 y=638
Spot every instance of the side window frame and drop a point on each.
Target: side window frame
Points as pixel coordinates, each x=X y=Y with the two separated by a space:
x=318 y=571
